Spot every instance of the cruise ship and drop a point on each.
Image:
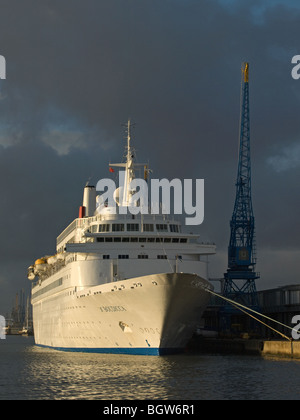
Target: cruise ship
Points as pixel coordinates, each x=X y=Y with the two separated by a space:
x=120 y=282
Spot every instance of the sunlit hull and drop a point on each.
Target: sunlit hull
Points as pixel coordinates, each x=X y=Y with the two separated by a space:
x=149 y=315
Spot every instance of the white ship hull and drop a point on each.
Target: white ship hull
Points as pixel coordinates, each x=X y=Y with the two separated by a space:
x=149 y=315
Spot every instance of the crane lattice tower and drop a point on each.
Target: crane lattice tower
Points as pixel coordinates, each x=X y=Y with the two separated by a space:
x=239 y=280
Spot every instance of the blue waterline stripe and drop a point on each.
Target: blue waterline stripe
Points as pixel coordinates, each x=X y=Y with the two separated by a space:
x=154 y=351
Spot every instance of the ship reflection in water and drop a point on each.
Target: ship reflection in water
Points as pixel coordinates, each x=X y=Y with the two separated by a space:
x=30 y=372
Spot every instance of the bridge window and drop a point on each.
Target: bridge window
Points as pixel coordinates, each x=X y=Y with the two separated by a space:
x=132 y=227
x=104 y=227
x=118 y=227
x=148 y=227
x=174 y=228
x=161 y=227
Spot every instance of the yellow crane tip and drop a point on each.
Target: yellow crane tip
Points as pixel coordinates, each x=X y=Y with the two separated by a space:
x=245 y=70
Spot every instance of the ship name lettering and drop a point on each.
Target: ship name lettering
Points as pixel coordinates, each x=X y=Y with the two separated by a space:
x=112 y=308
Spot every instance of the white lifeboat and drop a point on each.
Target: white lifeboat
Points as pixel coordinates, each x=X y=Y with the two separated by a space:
x=52 y=259
x=30 y=273
x=40 y=265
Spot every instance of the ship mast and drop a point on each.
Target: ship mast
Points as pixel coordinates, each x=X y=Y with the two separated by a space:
x=129 y=168
x=124 y=191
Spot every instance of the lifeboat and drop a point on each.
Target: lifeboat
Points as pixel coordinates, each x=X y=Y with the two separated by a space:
x=52 y=259
x=60 y=257
x=40 y=264
x=30 y=273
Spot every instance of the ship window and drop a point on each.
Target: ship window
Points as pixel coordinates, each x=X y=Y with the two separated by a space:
x=174 y=228
x=162 y=228
x=134 y=239
x=100 y=239
x=108 y=239
x=183 y=240
x=162 y=257
x=158 y=239
x=151 y=240
x=106 y=257
x=175 y=240
x=50 y=286
x=104 y=227
x=125 y=239
x=118 y=239
x=94 y=228
x=143 y=257
x=118 y=227
x=123 y=257
x=132 y=227
x=148 y=227
x=167 y=240
x=142 y=239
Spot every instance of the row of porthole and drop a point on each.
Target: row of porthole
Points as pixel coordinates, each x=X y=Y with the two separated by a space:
x=73 y=307
x=79 y=322
x=85 y=338
x=121 y=288
x=149 y=330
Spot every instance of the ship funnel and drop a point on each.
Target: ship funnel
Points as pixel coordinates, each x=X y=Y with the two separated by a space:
x=89 y=200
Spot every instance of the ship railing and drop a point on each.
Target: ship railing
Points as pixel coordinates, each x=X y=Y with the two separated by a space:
x=84 y=223
x=87 y=221
x=66 y=232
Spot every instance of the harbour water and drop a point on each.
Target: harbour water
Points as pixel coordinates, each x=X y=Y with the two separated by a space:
x=28 y=372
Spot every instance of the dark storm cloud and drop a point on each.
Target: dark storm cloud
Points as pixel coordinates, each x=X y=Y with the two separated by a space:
x=78 y=69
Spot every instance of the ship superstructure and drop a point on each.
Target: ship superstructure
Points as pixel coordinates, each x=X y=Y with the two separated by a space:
x=120 y=282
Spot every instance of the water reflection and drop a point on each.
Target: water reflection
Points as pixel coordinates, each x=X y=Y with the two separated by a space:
x=30 y=372
x=89 y=376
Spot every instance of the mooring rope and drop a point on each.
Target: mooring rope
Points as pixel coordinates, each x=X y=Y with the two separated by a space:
x=245 y=309
x=259 y=320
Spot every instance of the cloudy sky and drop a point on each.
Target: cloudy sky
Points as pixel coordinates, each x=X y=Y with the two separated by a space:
x=78 y=69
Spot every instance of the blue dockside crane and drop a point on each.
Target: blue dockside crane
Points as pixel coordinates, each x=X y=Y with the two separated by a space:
x=239 y=280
